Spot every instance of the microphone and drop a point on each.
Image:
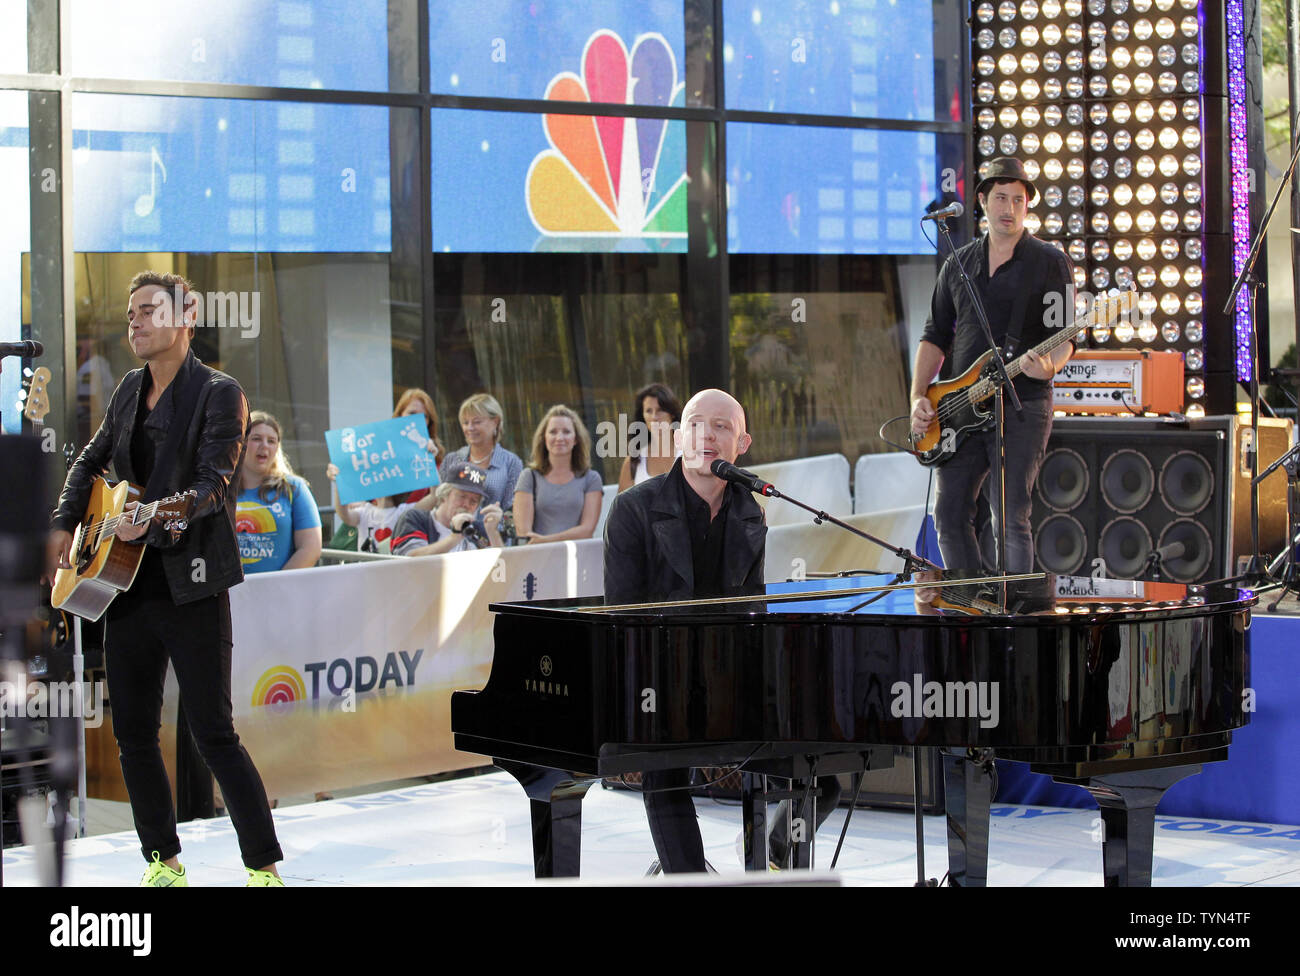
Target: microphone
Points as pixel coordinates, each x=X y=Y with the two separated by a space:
x=746 y=479
x=28 y=349
x=1171 y=550
x=1174 y=550
x=954 y=209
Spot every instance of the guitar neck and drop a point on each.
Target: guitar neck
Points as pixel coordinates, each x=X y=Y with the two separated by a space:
x=1047 y=346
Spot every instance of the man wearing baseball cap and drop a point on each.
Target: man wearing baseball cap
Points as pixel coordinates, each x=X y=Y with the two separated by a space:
x=450 y=526
x=1026 y=286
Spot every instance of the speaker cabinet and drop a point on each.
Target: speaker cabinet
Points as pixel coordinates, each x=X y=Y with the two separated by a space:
x=1117 y=489
x=892 y=788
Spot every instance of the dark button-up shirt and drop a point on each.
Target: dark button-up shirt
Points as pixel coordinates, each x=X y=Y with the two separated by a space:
x=707 y=536
x=1036 y=269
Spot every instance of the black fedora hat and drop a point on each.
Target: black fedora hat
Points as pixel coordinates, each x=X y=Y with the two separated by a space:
x=1006 y=168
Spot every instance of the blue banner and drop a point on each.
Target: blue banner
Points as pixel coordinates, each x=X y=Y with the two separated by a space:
x=388 y=457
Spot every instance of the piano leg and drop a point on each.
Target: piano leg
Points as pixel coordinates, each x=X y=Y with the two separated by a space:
x=1128 y=816
x=803 y=826
x=968 y=794
x=753 y=793
x=556 y=800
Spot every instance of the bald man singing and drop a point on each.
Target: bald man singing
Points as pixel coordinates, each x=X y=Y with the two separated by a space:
x=679 y=536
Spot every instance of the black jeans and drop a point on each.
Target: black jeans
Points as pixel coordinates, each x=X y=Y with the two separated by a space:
x=673 y=824
x=962 y=479
x=140 y=635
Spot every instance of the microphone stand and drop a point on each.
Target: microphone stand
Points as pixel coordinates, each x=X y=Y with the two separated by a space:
x=1257 y=572
x=1285 y=561
x=1001 y=382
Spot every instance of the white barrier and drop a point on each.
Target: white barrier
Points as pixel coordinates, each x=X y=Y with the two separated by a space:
x=342 y=675
x=883 y=482
x=605 y=500
x=822 y=482
x=793 y=550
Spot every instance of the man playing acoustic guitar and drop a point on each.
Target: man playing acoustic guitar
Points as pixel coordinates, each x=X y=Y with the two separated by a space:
x=174 y=425
x=1023 y=283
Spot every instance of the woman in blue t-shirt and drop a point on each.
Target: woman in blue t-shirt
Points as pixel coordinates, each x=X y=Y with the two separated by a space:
x=276 y=518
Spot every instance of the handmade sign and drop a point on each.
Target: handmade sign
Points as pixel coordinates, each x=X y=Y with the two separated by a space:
x=388 y=457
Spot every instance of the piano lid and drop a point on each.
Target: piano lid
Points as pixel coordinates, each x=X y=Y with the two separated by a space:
x=1031 y=598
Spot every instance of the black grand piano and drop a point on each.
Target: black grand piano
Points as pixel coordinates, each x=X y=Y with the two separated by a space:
x=1120 y=687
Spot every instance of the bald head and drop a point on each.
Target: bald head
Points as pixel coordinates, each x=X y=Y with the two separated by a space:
x=713 y=426
x=716 y=402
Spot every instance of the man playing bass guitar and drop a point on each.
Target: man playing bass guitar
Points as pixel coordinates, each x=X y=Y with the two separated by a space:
x=1023 y=282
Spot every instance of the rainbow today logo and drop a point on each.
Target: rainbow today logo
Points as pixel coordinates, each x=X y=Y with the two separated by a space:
x=613 y=177
x=279 y=685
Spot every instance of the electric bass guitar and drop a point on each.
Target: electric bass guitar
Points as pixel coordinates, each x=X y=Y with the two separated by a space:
x=102 y=564
x=964 y=405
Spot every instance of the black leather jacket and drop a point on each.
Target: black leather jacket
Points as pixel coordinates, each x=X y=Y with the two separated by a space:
x=648 y=544
x=204 y=559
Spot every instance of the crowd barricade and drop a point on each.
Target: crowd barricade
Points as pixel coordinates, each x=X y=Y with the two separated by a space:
x=605 y=501
x=821 y=481
x=883 y=482
x=795 y=550
x=343 y=675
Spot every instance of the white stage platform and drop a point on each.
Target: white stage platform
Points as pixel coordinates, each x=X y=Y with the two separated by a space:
x=476 y=831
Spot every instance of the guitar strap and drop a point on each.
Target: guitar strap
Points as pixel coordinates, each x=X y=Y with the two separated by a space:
x=183 y=400
x=1032 y=272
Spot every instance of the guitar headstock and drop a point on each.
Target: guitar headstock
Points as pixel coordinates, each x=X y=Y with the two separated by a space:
x=1107 y=308
x=174 y=510
x=35 y=398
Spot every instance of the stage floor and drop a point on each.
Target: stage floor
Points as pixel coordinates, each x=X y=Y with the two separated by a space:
x=476 y=831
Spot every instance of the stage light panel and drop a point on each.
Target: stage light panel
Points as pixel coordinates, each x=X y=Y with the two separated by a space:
x=1110 y=167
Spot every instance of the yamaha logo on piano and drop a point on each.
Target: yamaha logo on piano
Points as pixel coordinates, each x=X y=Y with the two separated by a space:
x=546 y=687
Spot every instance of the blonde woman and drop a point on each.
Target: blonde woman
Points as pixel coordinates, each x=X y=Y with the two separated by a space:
x=558 y=496
x=481 y=420
x=277 y=523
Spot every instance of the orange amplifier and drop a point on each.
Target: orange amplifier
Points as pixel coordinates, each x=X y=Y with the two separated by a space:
x=1121 y=381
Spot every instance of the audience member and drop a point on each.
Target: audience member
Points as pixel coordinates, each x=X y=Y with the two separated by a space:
x=481 y=419
x=415 y=401
x=424 y=533
x=374 y=520
x=277 y=524
x=658 y=409
x=558 y=495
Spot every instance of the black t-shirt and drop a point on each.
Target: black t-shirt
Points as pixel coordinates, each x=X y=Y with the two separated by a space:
x=150 y=579
x=1036 y=276
x=706 y=532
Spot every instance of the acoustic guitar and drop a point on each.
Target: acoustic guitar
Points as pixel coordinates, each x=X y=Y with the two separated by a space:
x=964 y=405
x=102 y=564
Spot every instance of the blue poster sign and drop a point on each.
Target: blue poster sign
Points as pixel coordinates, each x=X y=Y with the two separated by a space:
x=388 y=457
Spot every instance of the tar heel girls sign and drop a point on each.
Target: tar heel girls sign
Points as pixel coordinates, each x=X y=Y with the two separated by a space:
x=388 y=457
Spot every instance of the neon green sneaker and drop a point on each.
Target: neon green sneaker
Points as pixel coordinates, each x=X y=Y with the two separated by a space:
x=262 y=879
x=159 y=875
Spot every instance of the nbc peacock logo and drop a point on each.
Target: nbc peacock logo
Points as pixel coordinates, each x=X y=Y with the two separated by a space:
x=613 y=177
x=279 y=685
